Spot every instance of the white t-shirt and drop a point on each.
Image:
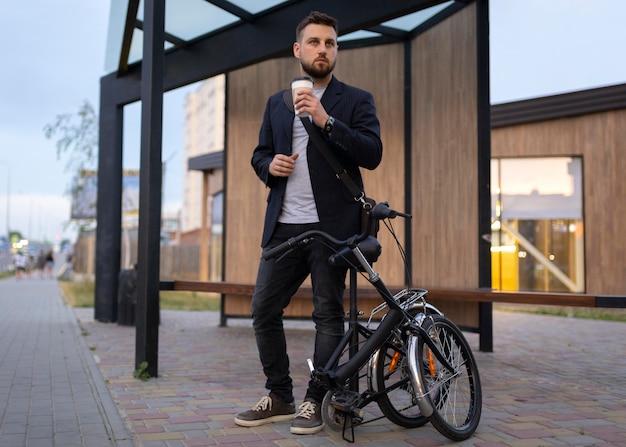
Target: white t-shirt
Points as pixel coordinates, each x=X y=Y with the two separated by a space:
x=299 y=203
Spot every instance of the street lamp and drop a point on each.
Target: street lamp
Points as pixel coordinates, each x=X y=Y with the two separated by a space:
x=8 y=197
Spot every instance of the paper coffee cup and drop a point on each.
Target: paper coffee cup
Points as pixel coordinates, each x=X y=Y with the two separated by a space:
x=297 y=84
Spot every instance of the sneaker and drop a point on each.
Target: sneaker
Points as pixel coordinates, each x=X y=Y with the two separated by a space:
x=308 y=420
x=268 y=410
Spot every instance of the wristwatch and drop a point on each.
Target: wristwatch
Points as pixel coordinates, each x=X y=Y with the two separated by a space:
x=328 y=127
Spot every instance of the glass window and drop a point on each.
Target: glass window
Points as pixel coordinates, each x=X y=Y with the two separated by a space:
x=215 y=249
x=537 y=224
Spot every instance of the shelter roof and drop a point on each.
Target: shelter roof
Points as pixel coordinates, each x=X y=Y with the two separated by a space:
x=236 y=33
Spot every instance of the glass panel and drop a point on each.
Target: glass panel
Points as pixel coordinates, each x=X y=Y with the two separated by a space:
x=188 y=19
x=357 y=35
x=411 y=21
x=115 y=32
x=136 y=47
x=537 y=224
x=256 y=6
x=215 y=248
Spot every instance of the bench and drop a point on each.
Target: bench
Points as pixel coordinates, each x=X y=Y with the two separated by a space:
x=236 y=302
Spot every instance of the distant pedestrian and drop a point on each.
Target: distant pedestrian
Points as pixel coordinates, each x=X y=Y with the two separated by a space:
x=41 y=263
x=49 y=264
x=20 y=262
x=30 y=264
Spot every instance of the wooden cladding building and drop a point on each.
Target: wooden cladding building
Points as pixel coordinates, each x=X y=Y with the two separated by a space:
x=589 y=124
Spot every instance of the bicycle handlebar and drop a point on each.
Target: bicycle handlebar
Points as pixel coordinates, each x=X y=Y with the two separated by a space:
x=380 y=211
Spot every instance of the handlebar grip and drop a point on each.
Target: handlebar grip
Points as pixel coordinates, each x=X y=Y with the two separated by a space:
x=280 y=249
x=382 y=211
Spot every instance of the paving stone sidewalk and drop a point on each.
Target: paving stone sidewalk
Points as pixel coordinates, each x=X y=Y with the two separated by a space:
x=67 y=380
x=51 y=391
x=551 y=381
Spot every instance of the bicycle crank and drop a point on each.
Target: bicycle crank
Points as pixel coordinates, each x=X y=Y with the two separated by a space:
x=340 y=412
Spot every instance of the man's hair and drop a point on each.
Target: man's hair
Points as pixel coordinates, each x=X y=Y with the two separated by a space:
x=317 y=18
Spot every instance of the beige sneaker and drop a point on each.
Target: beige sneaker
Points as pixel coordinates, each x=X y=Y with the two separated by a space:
x=308 y=420
x=267 y=410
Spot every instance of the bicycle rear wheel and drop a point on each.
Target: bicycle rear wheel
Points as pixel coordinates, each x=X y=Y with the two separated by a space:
x=456 y=396
x=390 y=369
x=399 y=405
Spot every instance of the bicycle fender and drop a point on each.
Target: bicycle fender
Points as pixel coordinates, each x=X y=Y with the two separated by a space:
x=423 y=402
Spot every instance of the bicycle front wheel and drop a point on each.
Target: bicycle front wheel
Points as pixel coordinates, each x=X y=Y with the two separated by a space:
x=456 y=396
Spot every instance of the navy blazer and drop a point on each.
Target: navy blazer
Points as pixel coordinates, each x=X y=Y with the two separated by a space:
x=355 y=141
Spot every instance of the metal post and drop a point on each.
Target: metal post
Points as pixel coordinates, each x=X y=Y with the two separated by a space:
x=8 y=197
x=147 y=311
x=485 y=315
x=109 y=207
x=408 y=161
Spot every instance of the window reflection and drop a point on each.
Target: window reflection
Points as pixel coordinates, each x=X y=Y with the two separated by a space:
x=537 y=224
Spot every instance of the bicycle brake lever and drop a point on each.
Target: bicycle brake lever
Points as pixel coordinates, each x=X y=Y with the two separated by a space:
x=293 y=247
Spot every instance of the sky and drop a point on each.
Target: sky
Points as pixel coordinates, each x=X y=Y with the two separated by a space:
x=54 y=53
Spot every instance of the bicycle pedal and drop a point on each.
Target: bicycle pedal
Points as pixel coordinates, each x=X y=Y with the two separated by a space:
x=346 y=402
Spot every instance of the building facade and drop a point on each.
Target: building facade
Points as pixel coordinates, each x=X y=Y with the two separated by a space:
x=204 y=134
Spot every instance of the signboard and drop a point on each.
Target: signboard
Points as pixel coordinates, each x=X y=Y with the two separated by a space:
x=85 y=194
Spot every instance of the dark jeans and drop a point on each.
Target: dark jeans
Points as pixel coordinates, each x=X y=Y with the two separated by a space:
x=276 y=283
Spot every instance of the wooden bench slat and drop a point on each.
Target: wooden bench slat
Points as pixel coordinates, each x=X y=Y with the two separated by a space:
x=465 y=295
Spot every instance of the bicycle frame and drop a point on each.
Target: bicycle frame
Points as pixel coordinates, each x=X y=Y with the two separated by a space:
x=342 y=379
x=333 y=374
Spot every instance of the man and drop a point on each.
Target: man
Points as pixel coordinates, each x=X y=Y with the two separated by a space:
x=305 y=194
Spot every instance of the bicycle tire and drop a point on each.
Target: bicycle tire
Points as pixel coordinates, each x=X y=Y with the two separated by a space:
x=456 y=396
x=399 y=405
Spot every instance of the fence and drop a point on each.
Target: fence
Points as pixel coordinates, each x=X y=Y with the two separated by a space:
x=177 y=261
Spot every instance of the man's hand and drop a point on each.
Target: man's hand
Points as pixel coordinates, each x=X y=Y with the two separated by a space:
x=283 y=165
x=306 y=101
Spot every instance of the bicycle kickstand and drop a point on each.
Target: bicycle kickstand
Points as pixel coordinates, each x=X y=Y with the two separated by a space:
x=347 y=419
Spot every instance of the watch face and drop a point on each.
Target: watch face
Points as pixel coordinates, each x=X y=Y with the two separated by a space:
x=329 y=125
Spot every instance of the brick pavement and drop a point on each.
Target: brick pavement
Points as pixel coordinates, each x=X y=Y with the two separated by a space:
x=551 y=381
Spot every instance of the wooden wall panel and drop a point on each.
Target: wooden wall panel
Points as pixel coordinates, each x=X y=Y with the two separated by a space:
x=444 y=160
x=248 y=90
x=245 y=195
x=600 y=138
x=379 y=70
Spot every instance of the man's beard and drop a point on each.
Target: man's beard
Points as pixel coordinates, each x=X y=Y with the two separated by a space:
x=315 y=72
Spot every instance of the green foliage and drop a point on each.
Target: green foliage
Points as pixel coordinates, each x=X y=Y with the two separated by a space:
x=176 y=300
x=15 y=236
x=142 y=372
x=76 y=137
x=590 y=313
x=81 y=294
